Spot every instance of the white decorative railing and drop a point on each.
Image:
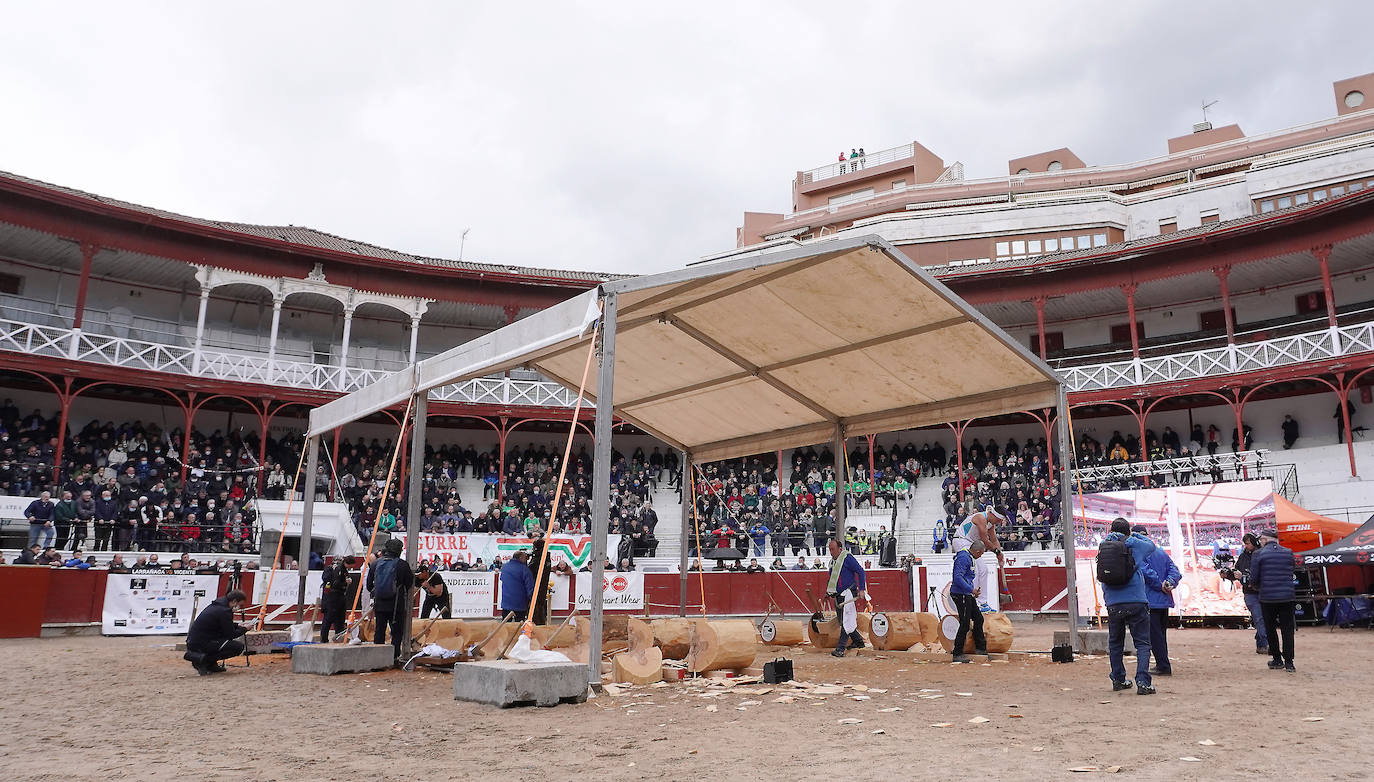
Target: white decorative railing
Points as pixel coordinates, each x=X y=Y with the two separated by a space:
x=58 y=342
x=1226 y=360
x=850 y=165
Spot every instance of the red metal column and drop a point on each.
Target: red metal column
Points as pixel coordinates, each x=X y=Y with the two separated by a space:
x=1129 y=289
x=88 y=252
x=1039 y=302
x=1223 y=272
x=1344 y=395
x=1323 y=253
x=958 y=427
x=65 y=399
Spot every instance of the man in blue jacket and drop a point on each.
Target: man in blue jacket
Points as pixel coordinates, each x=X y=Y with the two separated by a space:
x=964 y=590
x=1160 y=600
x=847 y=582
x=1271 y=571
x=1128 y=607
x=517 y=586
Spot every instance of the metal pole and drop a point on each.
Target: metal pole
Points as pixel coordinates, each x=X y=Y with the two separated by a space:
x=601 y=479
x=686 y=533
x=414 y=498
x=1066 y=516
x=841 y=481
x=312 y=464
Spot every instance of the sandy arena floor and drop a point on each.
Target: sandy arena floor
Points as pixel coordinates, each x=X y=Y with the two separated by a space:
x=130 y=708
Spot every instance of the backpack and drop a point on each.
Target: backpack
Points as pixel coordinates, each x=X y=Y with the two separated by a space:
x=1115 y=563
x=384 y=582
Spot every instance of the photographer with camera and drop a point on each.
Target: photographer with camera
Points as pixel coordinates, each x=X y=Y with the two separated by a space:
x=1250 y=590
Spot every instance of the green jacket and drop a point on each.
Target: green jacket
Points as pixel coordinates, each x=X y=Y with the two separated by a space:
x=64 y=510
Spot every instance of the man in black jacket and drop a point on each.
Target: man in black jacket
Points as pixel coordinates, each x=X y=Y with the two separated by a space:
x=389 y=579
x=1251 y=592
x=214 y=636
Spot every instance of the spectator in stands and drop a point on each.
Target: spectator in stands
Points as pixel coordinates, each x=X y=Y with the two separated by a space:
x=28 y=555
x=40 y=516
x=1290 y=432
x=754 y=567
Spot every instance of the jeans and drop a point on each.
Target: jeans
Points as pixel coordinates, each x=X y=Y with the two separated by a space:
x=969 y=616
x=1278 y=617
x=1257 y=619
x=1135 y=616
x=37 y=531
x=1159 y=642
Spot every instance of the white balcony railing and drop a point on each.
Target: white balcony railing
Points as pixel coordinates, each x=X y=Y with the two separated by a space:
x=850 y=165
x=60 y=342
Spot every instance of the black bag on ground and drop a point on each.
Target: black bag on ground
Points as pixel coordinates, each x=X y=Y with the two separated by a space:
x=1115 y=565
x=1062 y=653
x=778 y=671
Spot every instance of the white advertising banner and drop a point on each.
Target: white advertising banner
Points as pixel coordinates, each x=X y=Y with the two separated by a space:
x=622 y=591
x=155 y=602
x=939 y=576
x=285 y=585
x=13 y=507
x=473 y=592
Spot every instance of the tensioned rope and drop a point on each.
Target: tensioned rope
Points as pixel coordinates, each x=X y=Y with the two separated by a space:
x=528 y=627
x=381 y=506
x=276 y=559
x=1082 y=508
x=691 y=490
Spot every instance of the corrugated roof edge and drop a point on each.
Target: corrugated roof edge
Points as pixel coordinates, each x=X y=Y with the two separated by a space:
x=313 y=238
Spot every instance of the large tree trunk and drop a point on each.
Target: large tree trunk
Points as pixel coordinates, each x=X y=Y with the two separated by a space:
x=673 y=636
x=996 y=626
x=902 y=630
x=825 y=632
x=440 y=631
x=644 y=666
x=641 y=635
x=723 y=645
x=782 y=632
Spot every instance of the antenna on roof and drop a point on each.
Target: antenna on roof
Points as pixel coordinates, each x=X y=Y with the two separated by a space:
x=462 y=240
x=1204 y=124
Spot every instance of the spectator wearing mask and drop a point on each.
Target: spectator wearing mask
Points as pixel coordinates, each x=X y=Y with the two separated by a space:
x=1128 y=605
x=1250 y=590
x=1271 y=571
x=1160 y=600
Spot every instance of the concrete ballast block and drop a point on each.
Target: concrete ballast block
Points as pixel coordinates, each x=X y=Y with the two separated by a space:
x=340 y=658
x=507 y=683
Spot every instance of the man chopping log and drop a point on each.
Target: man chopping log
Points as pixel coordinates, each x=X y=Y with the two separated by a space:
x=847 y=582
x=979 y=527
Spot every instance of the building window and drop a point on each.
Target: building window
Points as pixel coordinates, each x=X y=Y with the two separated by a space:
x=1266 y=206
x=1313 y=301
x=1033 y=247
x=1018 y=247
x=1301 y=198
x=1212 y=218
x=1003 y=249
x=1354 y=99
x=11 y=284
x=1054 y=343
x=1055 y=165
x=900 y=184
x=1286 y=201
x=1168 y=228
x=1084 y=242
x=1215 y=320
x=1099 y=240
x=1338 y=190
x=1023 y=172
x=1121 y=333
x=1051 y=245
x=1318 y=195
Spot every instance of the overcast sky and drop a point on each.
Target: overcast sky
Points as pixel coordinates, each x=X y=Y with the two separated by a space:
x=623 y=137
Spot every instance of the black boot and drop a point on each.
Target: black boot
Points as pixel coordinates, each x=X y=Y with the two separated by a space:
x=197 y=661
x=840 y=647
x=856 y=641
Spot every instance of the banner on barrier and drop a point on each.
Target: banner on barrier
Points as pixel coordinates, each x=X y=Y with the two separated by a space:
x=621 y=591
x=473 y=592
x=154 y=603
x=576 y=550
x=285 y=585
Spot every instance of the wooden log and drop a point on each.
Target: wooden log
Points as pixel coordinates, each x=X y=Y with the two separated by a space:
x=550 y=637
x=642 y=666
x=673 y=636
x=996 y=627
x=782 y=632
x=436 y=631
x=825 y=632
x=641 y=636
x=615 y=631
x=723 y=645
x=895 y=630
x=930 y=629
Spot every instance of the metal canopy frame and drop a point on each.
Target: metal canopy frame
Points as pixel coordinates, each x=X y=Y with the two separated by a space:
x=680 y=368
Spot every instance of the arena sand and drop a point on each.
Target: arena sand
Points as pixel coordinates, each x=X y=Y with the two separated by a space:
x=129 y=708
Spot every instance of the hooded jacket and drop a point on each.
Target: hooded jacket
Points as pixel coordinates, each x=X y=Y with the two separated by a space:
x=1163 y=566
x=1134 y=591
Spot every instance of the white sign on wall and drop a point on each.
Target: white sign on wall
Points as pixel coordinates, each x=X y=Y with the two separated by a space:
x=472 y=592
x=154 y=603
x=285 y=585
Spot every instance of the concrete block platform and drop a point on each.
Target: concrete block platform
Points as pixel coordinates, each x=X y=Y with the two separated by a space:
x=260 y=641
x=327 y=659
x=507 y=683
x=1090 y=641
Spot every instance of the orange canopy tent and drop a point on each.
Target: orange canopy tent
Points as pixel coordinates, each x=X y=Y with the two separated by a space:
x=1302 y=530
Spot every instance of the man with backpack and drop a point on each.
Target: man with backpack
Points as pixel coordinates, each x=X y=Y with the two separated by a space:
x=1124 y=571
x=389 y=580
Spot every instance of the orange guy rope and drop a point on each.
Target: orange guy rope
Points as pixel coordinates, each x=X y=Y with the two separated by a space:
x=1082 y=509
x=381 y=507
x=528 y=627
x=295 y=482
x=691 y=489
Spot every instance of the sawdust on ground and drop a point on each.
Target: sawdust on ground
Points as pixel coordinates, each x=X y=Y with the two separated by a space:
x=94 y=708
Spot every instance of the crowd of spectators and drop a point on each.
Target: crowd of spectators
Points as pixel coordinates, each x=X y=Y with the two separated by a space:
x=1013 y=478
